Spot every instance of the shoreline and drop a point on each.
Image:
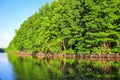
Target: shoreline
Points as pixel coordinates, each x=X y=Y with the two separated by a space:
x=72 y=56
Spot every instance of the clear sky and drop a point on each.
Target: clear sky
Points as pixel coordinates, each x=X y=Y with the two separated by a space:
x=12 y=15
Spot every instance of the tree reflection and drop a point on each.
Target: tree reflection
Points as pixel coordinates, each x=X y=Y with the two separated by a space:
x=29 y=68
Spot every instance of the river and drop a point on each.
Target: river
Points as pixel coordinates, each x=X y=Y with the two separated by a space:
x=6 y=68
x=14 y=67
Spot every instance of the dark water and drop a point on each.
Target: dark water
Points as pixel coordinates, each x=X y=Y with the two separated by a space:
x=13 y=67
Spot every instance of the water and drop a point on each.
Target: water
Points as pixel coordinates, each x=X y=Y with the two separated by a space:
x=13 y=67
x=6 y=71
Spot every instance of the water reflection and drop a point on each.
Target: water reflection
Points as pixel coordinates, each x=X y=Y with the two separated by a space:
x=6 y=71
x=28 y=68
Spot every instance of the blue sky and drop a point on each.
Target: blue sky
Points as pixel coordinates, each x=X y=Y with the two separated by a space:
x=12 y=14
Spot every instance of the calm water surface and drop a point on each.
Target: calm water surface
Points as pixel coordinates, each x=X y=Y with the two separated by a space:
x=6 y=69
x=13 y=67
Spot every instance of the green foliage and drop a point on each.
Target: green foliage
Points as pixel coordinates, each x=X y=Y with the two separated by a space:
x=71 y=26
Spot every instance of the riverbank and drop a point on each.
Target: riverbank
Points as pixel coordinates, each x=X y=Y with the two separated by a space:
x=72 y=56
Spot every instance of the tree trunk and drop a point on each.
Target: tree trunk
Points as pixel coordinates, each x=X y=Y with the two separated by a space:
x=105 y=46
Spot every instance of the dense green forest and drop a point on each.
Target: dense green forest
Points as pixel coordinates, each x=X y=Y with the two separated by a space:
x=71 y=26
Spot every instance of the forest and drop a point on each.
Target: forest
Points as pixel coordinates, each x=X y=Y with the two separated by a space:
x=71 y=27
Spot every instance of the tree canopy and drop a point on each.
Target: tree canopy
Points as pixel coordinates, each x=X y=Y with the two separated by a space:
x=71 y=26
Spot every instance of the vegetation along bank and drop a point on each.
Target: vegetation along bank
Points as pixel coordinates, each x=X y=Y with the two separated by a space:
x=71 y=27
x=2 y=50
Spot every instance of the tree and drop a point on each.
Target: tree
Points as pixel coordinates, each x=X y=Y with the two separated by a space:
x=71 y=26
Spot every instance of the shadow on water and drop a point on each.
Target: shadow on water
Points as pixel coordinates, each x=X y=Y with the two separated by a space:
x=29 y=68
